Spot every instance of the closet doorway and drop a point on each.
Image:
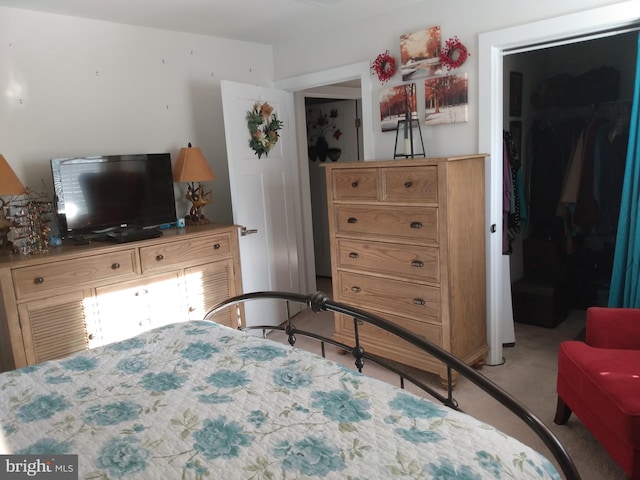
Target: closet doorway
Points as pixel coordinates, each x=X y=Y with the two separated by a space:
x=568 y=124
x=492 y=47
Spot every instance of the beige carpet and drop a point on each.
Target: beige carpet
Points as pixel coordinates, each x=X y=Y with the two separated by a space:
x=528 y=373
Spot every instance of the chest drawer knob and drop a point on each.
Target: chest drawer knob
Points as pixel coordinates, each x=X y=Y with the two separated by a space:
x=408 y=184
x=115 y=266
x=417 y=263
x=38 y=280
x=356 y=289
x=352 y=220
x=91 y=336
x=418 y=301
x=354 y=255
x=159 y=258
x=416 y=224
x=216 y=246
x=354 y=184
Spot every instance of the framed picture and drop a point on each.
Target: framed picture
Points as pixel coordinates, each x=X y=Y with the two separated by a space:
x=420 y=54
x=515 y=94
x=394 y=102
x=446 y=99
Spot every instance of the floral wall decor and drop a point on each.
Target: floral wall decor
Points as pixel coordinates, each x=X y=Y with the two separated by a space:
x=323 y=133
x=446 y=99
x=454 y=54
x=263 y=126
x=384 y=66
x=420 y=53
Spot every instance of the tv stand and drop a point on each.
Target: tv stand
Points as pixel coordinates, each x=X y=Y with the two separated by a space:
x=71 y=298
x=125 y=236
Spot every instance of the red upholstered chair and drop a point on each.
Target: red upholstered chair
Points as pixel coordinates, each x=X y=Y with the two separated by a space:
x=599 y=381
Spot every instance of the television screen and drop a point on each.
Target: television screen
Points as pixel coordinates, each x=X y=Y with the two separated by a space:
x=98 y=194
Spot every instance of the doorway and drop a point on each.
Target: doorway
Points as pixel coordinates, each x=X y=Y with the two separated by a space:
x=333 y=135
x=347 y=82
x=493 y=46
x=571 y=95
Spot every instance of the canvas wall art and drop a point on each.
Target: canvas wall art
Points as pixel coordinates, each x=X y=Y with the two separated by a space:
x=420 y=54
x=446 y=99
x=394 y=102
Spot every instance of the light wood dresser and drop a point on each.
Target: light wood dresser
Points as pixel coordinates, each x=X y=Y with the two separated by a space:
x=408 y=244
x=77 y=297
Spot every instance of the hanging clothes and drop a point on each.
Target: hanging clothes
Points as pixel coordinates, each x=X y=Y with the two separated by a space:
x=513 y=198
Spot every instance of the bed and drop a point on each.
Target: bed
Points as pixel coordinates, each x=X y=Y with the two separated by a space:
x=199 y=400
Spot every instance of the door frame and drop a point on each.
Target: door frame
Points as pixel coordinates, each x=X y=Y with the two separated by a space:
x=296 y=85
x=492 y=47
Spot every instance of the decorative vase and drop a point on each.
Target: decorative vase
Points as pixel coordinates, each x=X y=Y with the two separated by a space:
x=334 y=154
x=322 y=148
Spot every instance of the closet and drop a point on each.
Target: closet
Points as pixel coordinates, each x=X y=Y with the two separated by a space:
x=570 y=160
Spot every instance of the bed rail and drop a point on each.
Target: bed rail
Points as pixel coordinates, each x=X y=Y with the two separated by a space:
x=319 y=301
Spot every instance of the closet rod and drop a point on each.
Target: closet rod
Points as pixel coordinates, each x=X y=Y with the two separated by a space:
x=570 y=40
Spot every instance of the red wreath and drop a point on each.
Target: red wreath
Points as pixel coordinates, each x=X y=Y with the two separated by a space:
x=385 y=66
x=454 y=53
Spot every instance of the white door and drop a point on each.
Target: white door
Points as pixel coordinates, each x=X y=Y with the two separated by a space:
x=265 y=193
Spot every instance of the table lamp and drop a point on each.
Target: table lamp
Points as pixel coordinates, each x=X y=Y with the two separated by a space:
x=192 y=167
x=9 y=185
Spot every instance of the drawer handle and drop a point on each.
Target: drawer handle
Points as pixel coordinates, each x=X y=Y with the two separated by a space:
x=91 y=336
x=418 y=301
x=159 y=258
x=356 y=289
x=417 y=263
x=192 y=309
x=416 y=224
x=354 y=255
x=352 y=220
x=354 y=184
x=408 y=184
x=216 y=246
x=38 y=280
x=115 y=266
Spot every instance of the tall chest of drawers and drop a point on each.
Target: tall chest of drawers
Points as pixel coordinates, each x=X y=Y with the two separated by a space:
x=408 y=244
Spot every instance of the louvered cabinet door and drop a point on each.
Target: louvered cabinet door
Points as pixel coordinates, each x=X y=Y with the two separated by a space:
x=208 y=285
x=56 y=327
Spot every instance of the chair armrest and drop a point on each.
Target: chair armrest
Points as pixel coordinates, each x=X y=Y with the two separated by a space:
x=613 y=328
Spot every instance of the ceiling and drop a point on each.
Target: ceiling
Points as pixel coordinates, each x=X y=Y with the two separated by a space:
x=261 y=21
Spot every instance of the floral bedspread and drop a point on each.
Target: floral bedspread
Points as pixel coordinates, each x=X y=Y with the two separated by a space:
x=197 y=400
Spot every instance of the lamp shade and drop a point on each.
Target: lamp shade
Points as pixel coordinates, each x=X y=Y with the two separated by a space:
x=9 y=182
x=191 y=166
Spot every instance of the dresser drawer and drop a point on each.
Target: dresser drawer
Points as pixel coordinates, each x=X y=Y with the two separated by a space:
x=413 y=223
x=410 y=185
x=391 y=296
x=191 y=251
x=428 y=331
x=355 y=184
x=410 y=261
x=29 y=281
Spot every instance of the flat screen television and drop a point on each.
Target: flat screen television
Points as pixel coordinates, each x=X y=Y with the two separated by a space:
x=112 y=193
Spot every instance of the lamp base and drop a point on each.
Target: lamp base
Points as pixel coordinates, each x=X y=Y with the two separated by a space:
x=197 y=219
x=198 y=198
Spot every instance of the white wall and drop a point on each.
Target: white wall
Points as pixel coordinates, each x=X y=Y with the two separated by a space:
x=75 y=87
x=332 y=48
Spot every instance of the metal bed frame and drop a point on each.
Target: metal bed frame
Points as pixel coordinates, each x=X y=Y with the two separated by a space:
x=319 y=301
